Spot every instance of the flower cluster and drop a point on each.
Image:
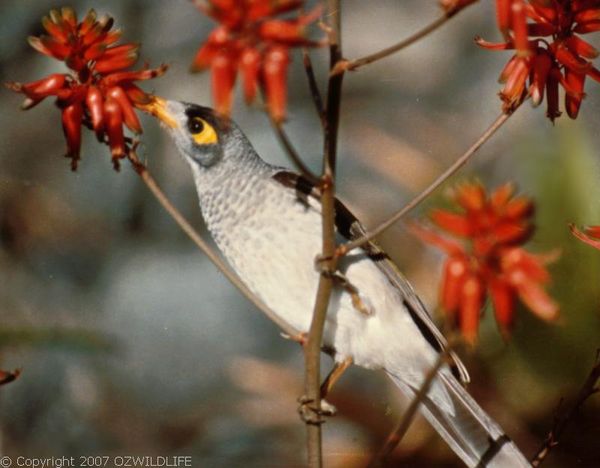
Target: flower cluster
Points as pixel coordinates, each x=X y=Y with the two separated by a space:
x=590 y=235
x=99 y=92
x=549 y=52
x=252 y=40
x=489 y=259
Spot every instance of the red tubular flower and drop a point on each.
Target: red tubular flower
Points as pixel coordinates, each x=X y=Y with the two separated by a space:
x=456 y=270
x=99 y=93
x=489 y=259
x=250 y=64
x=223 y=69
x=472 y=296
x=252 y=39
x=503 y=300
x=548 y=51
x=590 y=235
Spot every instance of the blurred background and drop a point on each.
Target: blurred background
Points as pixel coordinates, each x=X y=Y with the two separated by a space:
x=131 y=342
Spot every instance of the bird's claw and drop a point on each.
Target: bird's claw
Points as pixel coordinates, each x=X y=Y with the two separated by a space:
x=320 y=266
x=311 y=415
x=360 y=303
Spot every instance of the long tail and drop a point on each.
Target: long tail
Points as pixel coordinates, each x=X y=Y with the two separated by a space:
x=470 y=432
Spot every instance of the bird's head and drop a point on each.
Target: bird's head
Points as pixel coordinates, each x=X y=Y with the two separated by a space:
x=201 y=135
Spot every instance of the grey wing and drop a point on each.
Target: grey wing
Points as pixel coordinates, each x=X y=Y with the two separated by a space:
x=418 y=312
x=350 y=228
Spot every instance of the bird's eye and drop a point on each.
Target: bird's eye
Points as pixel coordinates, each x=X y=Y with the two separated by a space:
x=195 y=125
x=202 y=132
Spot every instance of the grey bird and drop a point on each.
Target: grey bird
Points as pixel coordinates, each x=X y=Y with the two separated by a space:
x=266 y=221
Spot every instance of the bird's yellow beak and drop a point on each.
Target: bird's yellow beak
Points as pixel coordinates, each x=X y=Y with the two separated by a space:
x=158 y=108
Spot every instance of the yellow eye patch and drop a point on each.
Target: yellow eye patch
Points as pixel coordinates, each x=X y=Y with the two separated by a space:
x=202 y=132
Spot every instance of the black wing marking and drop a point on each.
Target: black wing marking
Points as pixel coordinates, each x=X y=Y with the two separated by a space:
x=350 y=228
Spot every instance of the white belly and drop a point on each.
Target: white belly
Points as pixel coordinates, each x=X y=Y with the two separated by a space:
x=273 y=251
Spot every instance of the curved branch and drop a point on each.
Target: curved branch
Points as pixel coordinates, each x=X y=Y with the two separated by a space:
x=313 y=86
x=350 y=65
x=147 y=178
x=461 y=161
x=292 y=153
x=589 y=388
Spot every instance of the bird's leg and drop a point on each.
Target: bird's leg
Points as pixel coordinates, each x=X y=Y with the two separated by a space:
x=334 y=375
x=307 y=413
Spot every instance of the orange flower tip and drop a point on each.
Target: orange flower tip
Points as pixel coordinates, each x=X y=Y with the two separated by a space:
x=37 y=44
x=68 y=14
x=278 y=117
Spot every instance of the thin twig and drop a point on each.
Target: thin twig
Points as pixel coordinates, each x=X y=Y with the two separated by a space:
x=561 y=422
x=292 y=153
x=461 y=161
x=398 y=433
x=312 y=349
x=313 y=86
x=147 y=178
x=350 y=65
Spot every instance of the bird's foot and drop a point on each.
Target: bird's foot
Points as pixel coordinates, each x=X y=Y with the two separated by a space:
x=359 y=301
x=320 y=264
x=311 y=415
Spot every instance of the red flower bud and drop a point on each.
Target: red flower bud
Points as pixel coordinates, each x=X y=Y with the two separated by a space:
x=95 y=104
x=472 y=297
x=129 y=116
x=71 y=122
x=114 y=129
x=250 y=66
x=576 y=82
x=223 y=69
x=519 y=26
x=275 y=67
x=45 y=87
x=503 y=299
x=454 y=223
x=534 y=296
x=580 y=47
x=504 y=16
x=453 y=278
x=553 y=110
x=541 y=68
x=217 y=39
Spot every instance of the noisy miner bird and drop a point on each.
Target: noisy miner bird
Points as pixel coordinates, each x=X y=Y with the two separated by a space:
x=266 y=221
